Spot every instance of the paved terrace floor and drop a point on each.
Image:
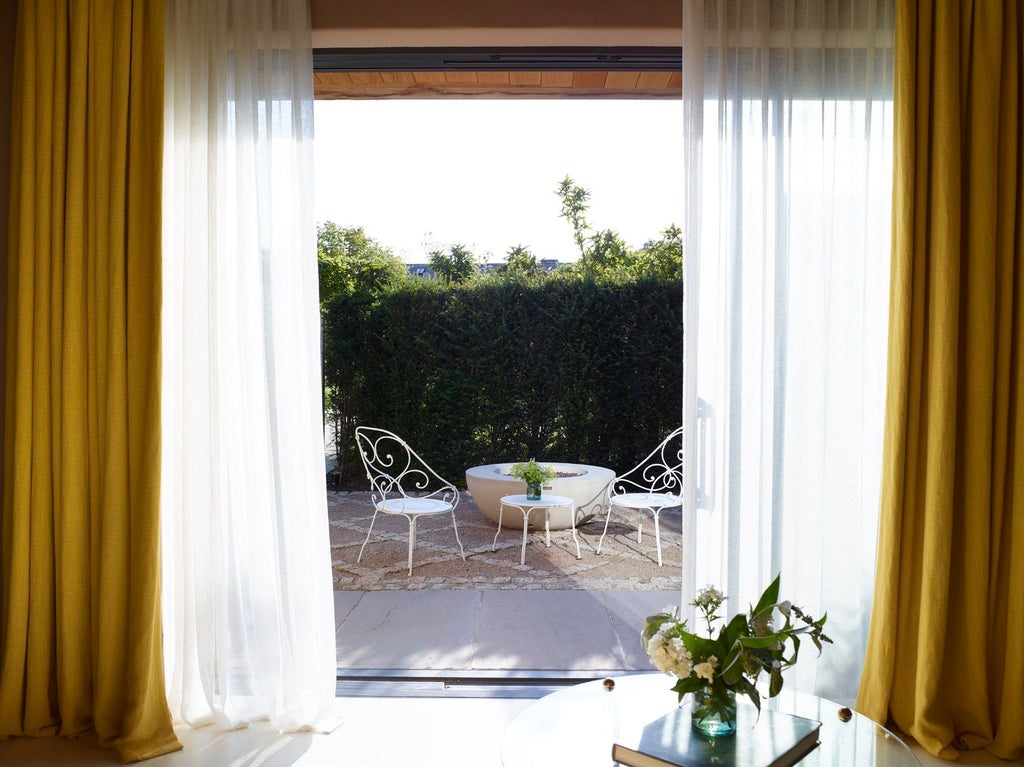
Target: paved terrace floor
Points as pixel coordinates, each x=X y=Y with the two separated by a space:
x=490 y=617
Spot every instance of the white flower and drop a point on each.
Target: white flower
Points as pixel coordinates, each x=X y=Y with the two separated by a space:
x=669 y=655
x=710 y=594
x=784 y=607
x=706 y=670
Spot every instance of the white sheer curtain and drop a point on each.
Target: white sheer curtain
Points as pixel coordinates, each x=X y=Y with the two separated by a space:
x=248 y=604
x=788 y=145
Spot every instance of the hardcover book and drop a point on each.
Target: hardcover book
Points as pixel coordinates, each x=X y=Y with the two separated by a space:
x=772 y=740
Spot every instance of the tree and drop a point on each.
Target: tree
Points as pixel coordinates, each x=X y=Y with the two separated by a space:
x=354 y=271
x=604 y=253
x=575 y=203
x=608 y=253
x=662 y=259
x=455 y=267
x=520 y=261
x=350 y=262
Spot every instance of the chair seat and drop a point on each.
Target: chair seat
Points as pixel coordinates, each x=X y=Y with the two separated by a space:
x=414 y=506
x=646 y=500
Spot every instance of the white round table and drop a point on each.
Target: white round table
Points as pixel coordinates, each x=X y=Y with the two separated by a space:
x=583 y=483
x=578 y=725
x=526 y=506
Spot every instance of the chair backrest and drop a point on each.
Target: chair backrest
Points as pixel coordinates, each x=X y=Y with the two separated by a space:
x=659 y=472
x=395 y=469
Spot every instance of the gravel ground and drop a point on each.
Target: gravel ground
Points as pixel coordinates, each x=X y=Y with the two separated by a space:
x=622 y=565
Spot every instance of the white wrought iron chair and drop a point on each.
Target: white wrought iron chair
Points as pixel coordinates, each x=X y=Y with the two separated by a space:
x=403 y=484
x=654 y=484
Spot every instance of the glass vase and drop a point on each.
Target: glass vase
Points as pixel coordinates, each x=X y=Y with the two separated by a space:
x=533 y=491
x=713 y=712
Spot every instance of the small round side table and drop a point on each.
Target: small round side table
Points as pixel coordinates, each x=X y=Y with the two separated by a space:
x=526 y=506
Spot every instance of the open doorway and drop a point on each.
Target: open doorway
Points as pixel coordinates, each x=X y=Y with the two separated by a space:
x=483 y=175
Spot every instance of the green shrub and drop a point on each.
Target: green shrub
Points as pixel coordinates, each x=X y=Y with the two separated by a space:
x=551 y=367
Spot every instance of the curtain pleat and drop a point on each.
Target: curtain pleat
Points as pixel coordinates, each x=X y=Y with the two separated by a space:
x=945 y=658
x=787 y=147
x=249 y=611
x=80 y=636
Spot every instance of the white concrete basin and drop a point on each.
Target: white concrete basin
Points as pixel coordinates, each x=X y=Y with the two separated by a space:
x=585 y=485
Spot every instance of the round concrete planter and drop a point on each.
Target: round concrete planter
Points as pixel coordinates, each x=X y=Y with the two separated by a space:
x=487 y=484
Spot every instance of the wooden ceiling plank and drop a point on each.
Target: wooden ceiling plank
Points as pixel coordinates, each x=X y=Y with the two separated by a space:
x=398 y=78
x=460 y=78
x=676 y=80
x=333 y=79
x=588 y=79
x=621 y=79
x=524 y=78
x=424 y=91
x=429 y=78
x=366 y=78
x=488 y=77
x=653 y=79
x=556 y=79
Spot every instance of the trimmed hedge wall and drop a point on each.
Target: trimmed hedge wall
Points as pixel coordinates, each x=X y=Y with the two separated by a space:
x=506 y=370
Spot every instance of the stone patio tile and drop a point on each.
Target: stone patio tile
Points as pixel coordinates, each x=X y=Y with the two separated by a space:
x=626 y=612
x=543 y=629
x=409 y=630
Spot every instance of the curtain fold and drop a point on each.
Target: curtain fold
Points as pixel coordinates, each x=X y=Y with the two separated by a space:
x=787 y=145
x=80 y=630
x=248 y=606
x=945 y=660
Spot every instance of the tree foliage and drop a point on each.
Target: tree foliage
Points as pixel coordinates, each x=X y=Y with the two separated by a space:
x=558 y=368
x=354 y=271
x=662 y=258
x=604 y=254
x=519 y=261
x=580 y=364
x=352 y=263
x=457 y=266
x=575 y=203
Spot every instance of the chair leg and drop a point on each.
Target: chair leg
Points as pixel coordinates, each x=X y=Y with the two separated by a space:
x=458 y=540
x=412 y=540
x=572 y=517
x=607 y=517
x=657 y=536
x=501 y=511
x=367 y=540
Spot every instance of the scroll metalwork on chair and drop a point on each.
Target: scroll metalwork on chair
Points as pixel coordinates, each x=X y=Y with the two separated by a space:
x=654 y=484
x=402 y=483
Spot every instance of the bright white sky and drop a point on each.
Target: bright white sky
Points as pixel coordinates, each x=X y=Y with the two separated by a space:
x=418 y=174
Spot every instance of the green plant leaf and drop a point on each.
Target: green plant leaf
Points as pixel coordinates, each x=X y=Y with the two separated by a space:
x=737 y=628
x=770 y=597
x=701 y=647
x=761 y=642
x=652 y=624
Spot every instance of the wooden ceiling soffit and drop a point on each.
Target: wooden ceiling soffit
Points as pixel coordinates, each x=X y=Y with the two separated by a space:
x=639 y=73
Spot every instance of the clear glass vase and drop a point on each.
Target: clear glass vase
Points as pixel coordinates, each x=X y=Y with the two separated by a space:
x=533 y=491
x=713 y=712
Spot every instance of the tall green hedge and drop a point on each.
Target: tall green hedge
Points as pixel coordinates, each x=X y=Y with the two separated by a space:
x=506 y=370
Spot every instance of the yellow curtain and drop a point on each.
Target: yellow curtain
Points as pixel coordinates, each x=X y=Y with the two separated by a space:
x=80 y=644
x=945 y=656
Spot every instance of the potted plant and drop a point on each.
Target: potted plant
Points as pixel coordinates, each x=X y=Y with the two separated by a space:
x=716 y=669
x=534 y=475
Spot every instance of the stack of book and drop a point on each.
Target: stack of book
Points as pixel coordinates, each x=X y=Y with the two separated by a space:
x=772 y=739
